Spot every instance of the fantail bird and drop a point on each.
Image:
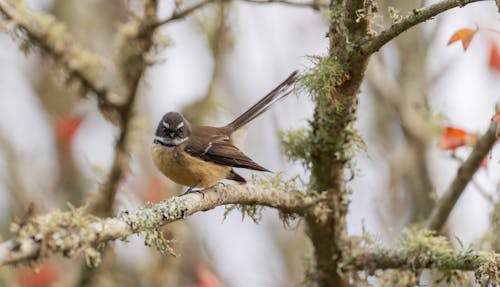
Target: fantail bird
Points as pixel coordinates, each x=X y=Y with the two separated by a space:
x=200 y=156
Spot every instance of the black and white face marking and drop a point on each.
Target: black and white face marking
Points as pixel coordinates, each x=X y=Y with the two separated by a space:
x=172 y=130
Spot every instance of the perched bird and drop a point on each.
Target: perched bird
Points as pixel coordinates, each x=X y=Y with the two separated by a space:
x=200 y=156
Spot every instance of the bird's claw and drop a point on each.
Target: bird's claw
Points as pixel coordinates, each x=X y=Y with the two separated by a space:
x=191 y=190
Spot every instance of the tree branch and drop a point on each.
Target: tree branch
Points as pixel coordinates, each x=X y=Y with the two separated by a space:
x=316 y=5
x=373 y=44
x=52 y=37
x=440 y=260
x=74 y=231
x=464 y=175
x=133 y=62
x=177 y=15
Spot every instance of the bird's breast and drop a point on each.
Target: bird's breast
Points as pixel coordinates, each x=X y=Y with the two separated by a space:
x=185 y=169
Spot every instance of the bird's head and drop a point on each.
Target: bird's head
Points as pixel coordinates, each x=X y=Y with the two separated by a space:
x=173 y=129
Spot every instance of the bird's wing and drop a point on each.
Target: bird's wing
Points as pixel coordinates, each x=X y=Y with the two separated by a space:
x=219 y=150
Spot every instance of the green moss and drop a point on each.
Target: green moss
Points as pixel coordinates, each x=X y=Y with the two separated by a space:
x=156 y=238
x=278 y=181
x=332 y=134
x=415 y=240
x=296 y=145
x=254 y=212
x=321 y=79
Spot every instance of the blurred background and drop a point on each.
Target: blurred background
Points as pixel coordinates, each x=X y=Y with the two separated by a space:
x=55 y=147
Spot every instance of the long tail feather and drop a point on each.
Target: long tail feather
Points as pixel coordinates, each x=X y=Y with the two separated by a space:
x=280 y=92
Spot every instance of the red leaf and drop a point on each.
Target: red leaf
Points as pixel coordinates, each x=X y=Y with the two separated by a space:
x=66 y=128
x=45 y=275
x=206 y=278
x=452 y=138
x=464 y=35
x=494 y=58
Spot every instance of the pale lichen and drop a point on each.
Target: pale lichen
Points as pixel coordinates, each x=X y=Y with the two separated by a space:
x=59 y=232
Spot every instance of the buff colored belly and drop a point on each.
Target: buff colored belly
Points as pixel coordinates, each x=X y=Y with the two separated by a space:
x=185 y=169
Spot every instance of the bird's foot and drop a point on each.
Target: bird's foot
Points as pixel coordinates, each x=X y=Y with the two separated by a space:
x=191 y=190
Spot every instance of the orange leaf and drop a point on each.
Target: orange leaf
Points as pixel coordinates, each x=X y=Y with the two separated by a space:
x=464 y=35
x=494 y=58
x=44 y=276
x=66 y=127
x=452 y=138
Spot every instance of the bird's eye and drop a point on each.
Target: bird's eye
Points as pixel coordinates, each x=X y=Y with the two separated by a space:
x=181 y=130
x=165 y=130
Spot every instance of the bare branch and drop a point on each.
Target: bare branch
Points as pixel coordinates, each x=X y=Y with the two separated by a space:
x=181 y=14
x=72 y=232
x=177 y=15
x=373 y=44
x=464 y=175
x=51 y=36
x=133 y=62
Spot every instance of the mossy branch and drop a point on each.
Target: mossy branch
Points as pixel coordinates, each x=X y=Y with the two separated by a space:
x=484 y=264
x=52 y=37
x=465 y=172
x=75 y=231
x=316 y=5
x=418 y=249
x=373 y=44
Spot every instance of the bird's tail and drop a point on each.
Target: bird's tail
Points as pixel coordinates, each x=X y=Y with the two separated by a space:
x=280 y=92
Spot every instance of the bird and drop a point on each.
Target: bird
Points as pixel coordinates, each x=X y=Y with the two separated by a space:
x=199 y=156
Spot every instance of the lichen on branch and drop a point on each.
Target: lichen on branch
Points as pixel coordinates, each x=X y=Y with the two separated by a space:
x=75 y=231
x=332 y=132
x=418 y=249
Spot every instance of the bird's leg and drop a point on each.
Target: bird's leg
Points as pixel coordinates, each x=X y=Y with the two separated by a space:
x=190 y=190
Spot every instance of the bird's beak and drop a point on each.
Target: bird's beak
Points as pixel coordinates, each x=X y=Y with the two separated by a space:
x=170 y=142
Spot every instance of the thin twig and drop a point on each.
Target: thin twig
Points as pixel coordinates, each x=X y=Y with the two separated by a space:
x=464 y=175
x=316 y=5
x=177 y=15
x=373 y=44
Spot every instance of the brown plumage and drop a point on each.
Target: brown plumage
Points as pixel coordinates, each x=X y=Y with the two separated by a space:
x=200 y=156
